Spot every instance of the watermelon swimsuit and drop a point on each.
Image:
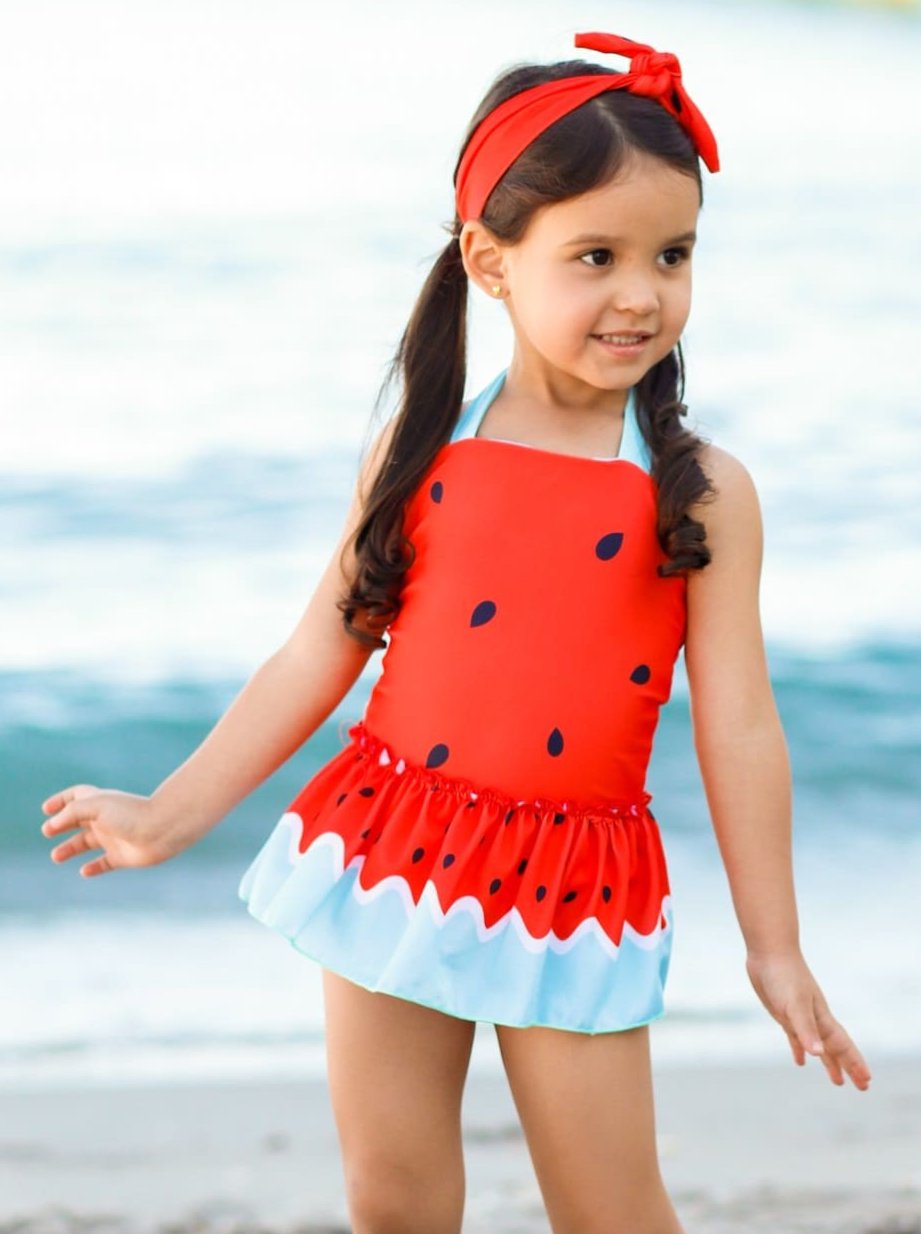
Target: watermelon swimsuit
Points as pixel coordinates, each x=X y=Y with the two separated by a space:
x=483 y=844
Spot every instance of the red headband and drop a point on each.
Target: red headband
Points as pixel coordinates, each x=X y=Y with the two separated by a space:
x=514 y=124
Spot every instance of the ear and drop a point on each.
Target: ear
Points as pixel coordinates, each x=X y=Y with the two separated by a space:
x=483 y=257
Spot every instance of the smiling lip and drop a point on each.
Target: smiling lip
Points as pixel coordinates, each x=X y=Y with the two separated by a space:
x=636 y=345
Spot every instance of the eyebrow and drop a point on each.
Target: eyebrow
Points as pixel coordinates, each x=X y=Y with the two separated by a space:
x=591 y=238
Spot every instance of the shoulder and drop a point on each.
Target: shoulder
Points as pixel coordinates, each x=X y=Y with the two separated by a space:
x=726 y=473
x=724 y=643
x=730 y=513
x=733 y=493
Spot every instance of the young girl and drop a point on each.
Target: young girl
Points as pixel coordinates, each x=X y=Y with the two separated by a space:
x=482 y=848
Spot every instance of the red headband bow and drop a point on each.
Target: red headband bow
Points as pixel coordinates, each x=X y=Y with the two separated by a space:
x=514 y=124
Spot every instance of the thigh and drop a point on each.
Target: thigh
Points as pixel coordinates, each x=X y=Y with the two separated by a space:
x=587 y=1111
x=396 y=1077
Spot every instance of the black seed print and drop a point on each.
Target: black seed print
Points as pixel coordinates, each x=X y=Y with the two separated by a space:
x=541 y=892
x=509 y=816
x=448 y=860
x=609 y=546
x=367 y=791
x=555 y=743
x=341 y=798
x=570 y=895
x=522 y=866
x=469 y=805
x=484 y=611
x=606 y=894
x=437 y=490
x=437 y=755
x=418 y=855
x=494 y=886
x=640 y=674
x=366 y=833
x=558 y=818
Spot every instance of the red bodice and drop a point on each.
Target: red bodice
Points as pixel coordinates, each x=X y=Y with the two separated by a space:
x=536 y=641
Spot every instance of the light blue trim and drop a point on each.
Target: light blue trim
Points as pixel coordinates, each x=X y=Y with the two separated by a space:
x=382 y=941
x=471 y=417
x=633 y=446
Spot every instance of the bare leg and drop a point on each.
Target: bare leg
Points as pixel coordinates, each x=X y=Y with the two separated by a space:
x=586 y=1108
x=396 y=1078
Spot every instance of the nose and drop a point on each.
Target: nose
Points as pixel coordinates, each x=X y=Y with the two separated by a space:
x=635 y=292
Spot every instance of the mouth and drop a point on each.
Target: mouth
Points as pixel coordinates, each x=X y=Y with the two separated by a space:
x=624 y=339
x=628 y=344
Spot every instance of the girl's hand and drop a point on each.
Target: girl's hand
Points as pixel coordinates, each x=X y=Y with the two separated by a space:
x=123 y=825
x=791 y=994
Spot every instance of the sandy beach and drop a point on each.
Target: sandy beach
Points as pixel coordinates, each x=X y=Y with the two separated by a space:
x=754 y=1148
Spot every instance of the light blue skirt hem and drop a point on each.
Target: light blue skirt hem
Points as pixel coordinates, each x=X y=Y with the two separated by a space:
x=451 y=961
x=456 y=1013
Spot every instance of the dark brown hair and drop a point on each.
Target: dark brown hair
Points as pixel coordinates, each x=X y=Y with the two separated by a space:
x=583 y=150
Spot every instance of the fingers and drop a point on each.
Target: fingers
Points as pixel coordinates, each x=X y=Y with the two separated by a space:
x=80 y=843
x=841 y=1052
x=57 y=800
x=83 y=843
x=793 y=998
x=833 y=1069
x=72 y=814
x=799 y=1054
x=806 y=1029
x=101 y=865
x=816 y=1031
x=76 y=807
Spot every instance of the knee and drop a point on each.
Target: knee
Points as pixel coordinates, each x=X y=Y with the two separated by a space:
x=652 y=1213
x=641 y=1209
x=389 y=1197
x=378 y=1205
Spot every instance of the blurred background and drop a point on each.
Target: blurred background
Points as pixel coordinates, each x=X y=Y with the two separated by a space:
x=214 y=221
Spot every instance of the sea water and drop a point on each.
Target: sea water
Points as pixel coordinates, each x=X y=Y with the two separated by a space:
x=211 y=237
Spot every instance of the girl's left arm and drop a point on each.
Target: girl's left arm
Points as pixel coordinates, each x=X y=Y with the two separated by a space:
x=745 y=766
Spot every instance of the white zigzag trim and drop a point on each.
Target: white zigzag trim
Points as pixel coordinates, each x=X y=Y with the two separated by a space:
x=332 y=841
x=295 y=825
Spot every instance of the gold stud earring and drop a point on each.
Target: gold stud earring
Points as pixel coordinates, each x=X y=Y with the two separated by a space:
x=497 y=289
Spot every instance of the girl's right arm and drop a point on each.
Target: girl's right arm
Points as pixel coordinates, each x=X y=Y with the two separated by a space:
x=279 y=708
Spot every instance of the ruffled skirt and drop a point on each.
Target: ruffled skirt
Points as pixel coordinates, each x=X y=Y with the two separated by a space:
x=456 y=896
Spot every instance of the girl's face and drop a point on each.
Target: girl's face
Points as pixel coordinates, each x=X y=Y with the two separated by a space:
x=613 y=261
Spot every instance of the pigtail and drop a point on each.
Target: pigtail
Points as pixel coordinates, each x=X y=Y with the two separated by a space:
x=431 y=363
x=676 y=470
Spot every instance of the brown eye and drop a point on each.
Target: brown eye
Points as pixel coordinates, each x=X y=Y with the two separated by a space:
x=680 y=252
x=595 y=253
